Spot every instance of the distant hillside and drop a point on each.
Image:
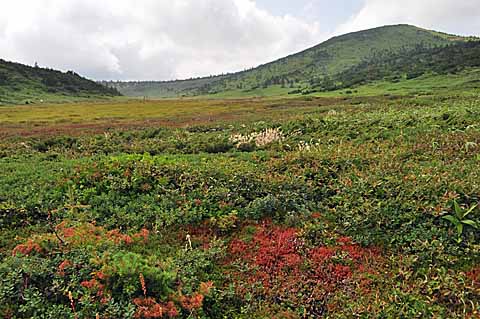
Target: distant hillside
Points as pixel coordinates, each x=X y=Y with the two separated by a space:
x=403 y=65
x=162 y=89
x=298 y=71
x=25 y=84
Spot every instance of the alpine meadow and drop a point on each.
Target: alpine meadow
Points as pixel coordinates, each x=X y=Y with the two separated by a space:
x=338 y=182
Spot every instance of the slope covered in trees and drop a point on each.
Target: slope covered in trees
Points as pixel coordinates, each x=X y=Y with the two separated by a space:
x=24 y=84
x=404 y=64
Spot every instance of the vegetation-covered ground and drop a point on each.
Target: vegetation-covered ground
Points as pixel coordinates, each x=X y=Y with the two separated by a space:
x=309 y=207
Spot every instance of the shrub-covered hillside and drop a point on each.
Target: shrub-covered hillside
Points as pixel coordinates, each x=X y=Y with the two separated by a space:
x=404 y=64
x=21 y=83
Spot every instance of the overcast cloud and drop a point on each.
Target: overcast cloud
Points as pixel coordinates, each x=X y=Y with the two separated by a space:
x=451 y=16
x=160 y=39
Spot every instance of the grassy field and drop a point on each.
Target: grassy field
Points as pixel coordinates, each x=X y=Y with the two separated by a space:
x=124 y=114
x=335 y=206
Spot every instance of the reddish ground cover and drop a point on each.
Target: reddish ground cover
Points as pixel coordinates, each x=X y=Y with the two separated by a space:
x=277 y=265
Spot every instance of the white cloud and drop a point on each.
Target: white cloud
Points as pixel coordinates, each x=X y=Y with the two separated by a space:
x=149 y=39
x=453 y=16
x=166 y=39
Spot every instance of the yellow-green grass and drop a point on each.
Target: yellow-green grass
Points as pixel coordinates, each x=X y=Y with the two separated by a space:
x=80 y=118
x=137 y=110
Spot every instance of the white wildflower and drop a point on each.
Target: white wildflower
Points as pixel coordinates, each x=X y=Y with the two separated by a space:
x=260 y=139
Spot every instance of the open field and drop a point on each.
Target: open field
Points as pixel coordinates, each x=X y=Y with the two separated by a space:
x=100 y=116
x=300 y=207
x=274 y=102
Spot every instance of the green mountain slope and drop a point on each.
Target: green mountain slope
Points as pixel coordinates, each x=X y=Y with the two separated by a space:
x=25 y=84
x=162 y=89
x=300 y=70
x=404 y=65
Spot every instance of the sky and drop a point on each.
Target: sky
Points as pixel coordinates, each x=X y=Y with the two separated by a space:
x=178 y=39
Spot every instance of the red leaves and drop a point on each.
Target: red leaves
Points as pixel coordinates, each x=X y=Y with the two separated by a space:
x=277 y=260
x=192 y=303
x=474 y=275
x=68 y=232
x=143 y=234
x=119 y=238
x=100 y=275
x=206 y=287
x=344 y=240
x=321 y=254
x=238 y=247
x=95 y=283
x=277 y=249
x=90 y=284
x=272 y=249
x=63 y=265
x=88 y=233
x=172 y=311
x=96 y=286
x=273 y=255
x=150 y=308
x=316 y=215
x=27 y=248
x=340 y=272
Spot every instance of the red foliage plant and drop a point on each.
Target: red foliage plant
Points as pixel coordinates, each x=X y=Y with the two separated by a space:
x=143 y=234
x=63 y=265
x=80 y=235
x=27 y=248
x=89 y=233
x=206 y=287
x=192 y=303
x=96 y=286
x=150 y=308
x=119 y=238
x=278 y=265
x=474 y=275
x=316 y=215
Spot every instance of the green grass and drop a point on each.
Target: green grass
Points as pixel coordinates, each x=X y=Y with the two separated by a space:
x=465 y=82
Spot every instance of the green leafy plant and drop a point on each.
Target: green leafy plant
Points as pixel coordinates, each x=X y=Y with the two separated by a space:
x=459 y=219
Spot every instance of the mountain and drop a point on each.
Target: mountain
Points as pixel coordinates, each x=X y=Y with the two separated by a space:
x=405 y=64
x=302 y=69
x=25 y=84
